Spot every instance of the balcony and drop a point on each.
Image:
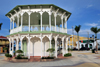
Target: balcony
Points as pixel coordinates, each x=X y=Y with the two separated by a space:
x=34 y=28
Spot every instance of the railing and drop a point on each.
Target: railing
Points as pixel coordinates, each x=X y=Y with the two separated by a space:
x=15 y=30
x=37 y=28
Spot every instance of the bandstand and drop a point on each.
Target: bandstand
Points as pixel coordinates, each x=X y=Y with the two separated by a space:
x=35 y=28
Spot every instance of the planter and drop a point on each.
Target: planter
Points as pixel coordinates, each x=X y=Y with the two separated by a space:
x=7 y=58
x=44 y=60
x=20 y=60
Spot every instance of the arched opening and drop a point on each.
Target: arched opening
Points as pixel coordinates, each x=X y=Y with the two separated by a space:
x=25 y=22
x=35 y=42
x=24 y=46
x=35 y=21
x=14 y=46
x=46 y=46
x=59 y=46
x=19 y=20
x=52 y=19
x=58 y=20
x=45 y=18
x=15 y=21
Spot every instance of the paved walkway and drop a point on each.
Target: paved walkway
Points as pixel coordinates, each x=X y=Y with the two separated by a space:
x=79 y=59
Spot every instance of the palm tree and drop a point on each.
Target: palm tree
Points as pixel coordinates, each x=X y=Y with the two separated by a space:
x=77 y=29
x=0 y=25
x=95 y=30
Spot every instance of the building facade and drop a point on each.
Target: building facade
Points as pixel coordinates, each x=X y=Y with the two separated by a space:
x=4 y=42
x=33 y=28
x=73 y=39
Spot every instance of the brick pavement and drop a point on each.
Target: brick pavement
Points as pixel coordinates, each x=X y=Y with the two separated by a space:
x=80 y=59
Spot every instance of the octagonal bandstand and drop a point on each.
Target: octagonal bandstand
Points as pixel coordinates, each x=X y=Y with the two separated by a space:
x=33 y=28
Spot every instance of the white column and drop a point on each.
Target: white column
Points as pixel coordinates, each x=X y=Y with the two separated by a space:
x=62 y=24
x=29 y=47
x=9 y=46
x=10 y=24
x=41 y=48
x=21 y=45
x=56 y=48
x=55 y=22
x=50 y=20
x=12 y=47
x=66 y=24
x=29 y=22
x=21 y=22
x=63 y=47
x=67 y=45
x=41 y=21
x=13 y=23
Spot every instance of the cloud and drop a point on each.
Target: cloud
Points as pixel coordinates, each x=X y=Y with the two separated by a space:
x=91 y=24
x=98 y=21
x=89 y=6
x=98 y=14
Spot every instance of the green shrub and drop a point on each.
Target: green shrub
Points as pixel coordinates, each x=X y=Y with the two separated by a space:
x=8 y=55
x=18 y=57
x=19 y=51
x=67 y=54
x=47 y=58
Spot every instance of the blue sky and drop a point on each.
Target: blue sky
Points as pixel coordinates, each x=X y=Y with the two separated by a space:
x=84 y=12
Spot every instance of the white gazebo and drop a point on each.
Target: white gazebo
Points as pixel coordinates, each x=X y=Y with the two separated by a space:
x=35 y=28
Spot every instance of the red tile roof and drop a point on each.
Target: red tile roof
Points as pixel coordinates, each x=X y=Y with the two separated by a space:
x=2 y=37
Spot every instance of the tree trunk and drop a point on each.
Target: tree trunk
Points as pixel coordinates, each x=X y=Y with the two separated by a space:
x=78 y=41
x=96 y=43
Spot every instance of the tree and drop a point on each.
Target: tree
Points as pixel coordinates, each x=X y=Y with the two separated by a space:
x=0 y=25
x=51 y=50
x=77 y=29
x=95 y=30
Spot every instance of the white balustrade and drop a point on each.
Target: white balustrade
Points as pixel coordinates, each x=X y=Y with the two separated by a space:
x=15 y=30
x=37 y=28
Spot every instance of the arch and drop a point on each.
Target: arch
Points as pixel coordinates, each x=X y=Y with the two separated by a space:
x=46 y=45
x=35 y=49
x=45 y=18
x=58 y=20
x=25 y=18
x=25 y=45
x=59 y=44
x=35 y=18
x=52 y=19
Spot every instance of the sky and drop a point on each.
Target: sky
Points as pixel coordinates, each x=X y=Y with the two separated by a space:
x=84 y=12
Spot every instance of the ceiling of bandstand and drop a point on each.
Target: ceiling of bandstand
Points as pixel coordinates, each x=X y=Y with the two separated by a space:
x=35 y=19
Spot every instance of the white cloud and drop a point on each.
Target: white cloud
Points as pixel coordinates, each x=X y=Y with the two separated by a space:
x=91 y=24
x=98 y=14
x=89 y=6
x=98 y=21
